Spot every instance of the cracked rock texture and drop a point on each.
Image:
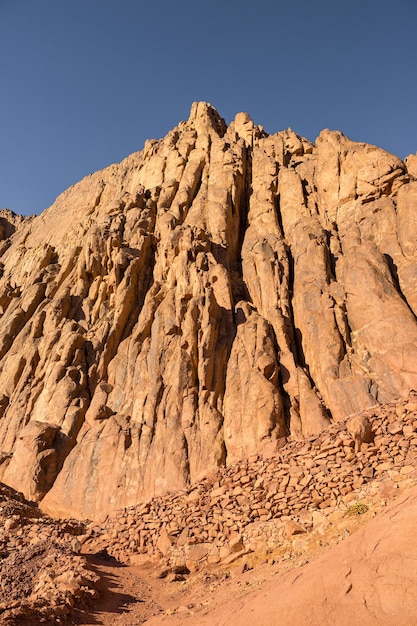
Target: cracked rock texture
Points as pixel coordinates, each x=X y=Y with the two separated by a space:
x=219 y=290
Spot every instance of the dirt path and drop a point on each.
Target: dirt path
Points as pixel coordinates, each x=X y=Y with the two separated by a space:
x=132 y=595
x=129 y=595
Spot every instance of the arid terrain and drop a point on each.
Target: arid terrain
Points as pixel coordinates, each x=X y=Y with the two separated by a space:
x=208 y=375
x=347 y=555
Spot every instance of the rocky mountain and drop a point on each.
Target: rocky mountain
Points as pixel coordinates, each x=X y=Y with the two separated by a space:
x=207 y=297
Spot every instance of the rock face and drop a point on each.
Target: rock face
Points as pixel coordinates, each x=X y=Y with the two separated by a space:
x=213 y=293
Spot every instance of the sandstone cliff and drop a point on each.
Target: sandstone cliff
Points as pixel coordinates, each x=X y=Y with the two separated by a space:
x=217 y=291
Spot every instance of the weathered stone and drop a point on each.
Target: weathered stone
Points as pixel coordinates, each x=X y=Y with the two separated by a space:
x=361 y=430
x=293 y=528
x=395 y=428
x=164 y=542
x=198 y=551
x=236 y=544
x=209 y=298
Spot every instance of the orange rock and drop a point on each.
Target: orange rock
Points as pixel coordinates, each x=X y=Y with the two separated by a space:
x=202 y=301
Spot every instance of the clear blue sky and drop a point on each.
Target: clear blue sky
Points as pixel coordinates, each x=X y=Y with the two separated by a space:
x=83 y=83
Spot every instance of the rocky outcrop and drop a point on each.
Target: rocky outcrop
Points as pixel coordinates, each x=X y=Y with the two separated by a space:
x=283 y=508
x=218 y=291
x=43 y=578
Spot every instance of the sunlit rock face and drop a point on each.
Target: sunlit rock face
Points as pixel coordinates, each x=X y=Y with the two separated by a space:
x=221 y=289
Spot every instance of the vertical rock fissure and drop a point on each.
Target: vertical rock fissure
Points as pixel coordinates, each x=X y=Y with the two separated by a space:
x=395 y=279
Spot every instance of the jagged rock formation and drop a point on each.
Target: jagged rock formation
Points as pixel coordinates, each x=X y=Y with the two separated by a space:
x=178 y=311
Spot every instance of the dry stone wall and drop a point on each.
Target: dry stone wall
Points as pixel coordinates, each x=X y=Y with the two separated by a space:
x=206 y=297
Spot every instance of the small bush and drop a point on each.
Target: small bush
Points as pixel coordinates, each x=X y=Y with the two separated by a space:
x=359 y=508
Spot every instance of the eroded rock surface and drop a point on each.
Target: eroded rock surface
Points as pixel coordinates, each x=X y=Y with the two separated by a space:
x=215 y=292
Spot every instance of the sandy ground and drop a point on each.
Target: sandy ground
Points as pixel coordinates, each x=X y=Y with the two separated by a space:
x=131 y=595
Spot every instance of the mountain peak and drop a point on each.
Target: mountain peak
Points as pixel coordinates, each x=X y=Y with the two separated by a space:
x=217 y=292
